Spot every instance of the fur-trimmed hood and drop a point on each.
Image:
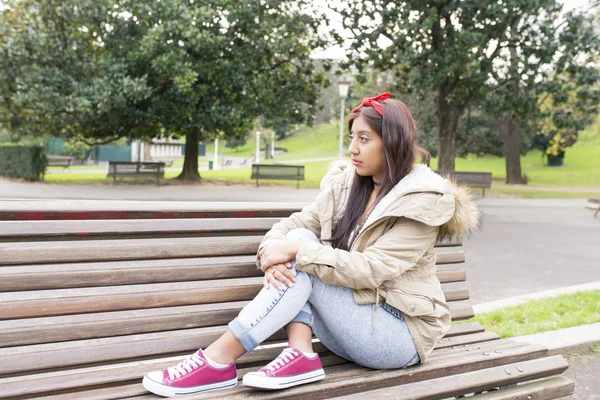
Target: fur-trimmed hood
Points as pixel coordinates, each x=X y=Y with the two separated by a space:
x=422 y=195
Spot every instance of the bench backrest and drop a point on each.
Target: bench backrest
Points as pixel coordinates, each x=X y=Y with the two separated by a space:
x=277 y=171
x=135 y=167
x=473 y=179
x=60 y=160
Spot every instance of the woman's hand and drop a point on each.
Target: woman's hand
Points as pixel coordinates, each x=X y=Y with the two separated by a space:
x=278 y=252
x=279 y=273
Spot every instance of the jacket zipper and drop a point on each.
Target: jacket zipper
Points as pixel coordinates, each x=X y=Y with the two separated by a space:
x=430 y=299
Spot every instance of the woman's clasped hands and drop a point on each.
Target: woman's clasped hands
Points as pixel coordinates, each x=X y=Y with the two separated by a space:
x=275 y=261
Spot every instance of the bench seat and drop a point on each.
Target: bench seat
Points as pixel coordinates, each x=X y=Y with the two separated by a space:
x=88 y=307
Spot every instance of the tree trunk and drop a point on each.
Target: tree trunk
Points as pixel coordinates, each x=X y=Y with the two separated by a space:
x=510 y=125
x=447 y=121
x=190 y=162
x=512 y=148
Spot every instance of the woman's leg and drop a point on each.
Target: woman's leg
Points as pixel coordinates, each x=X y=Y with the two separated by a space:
x=272 y=309
x=268 y=312
x=375 y=338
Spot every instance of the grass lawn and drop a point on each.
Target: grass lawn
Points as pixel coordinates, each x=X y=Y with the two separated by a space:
x=543 y=315
x=579 y=177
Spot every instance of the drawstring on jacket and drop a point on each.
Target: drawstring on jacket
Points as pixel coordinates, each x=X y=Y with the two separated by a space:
x=375 y=308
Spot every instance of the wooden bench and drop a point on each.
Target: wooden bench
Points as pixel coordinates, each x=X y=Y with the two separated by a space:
x=134 y=169
x=60 y=161
x=278 y=171
x=594 y=203
x=482 y=180
x=87 y=307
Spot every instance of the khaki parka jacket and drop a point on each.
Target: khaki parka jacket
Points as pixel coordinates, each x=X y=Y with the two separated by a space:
x=392 y=257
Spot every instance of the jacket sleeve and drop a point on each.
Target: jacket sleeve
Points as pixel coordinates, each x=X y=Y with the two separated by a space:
x=396 y=251
x=308 y=218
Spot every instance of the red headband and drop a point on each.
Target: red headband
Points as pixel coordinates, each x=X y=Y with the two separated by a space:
x=373 y=102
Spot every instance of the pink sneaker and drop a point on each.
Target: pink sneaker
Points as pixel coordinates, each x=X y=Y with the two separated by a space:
x=290 y=368
x=192 y=375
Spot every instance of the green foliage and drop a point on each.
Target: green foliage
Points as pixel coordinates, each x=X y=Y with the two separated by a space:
x=23 y=162
x=64 y=71
x=546 y=82
x=103 y=70
x=77 y=149
x=443 y=47
x=235 y=143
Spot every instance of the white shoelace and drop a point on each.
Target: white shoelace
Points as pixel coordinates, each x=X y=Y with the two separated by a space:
x=286 y=356
x=188 y=365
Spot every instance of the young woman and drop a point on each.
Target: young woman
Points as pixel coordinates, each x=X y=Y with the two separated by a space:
x=356 y=267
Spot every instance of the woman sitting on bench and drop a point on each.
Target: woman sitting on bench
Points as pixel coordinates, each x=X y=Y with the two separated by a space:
x=356 y=267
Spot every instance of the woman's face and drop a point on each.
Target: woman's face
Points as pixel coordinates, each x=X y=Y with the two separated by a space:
x=366 y=149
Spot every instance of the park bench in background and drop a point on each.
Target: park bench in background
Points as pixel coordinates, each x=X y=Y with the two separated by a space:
x=482 y=180
x=60 y=161
x=277 y=171
x=87 y=307
x=135 y=169
x=594 y=204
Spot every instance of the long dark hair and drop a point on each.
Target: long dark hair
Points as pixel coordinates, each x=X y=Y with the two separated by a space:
x=398 y=131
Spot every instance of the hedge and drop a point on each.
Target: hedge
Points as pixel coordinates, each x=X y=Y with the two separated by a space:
x=24 y=162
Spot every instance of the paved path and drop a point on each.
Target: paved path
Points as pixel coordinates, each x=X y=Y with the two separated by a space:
x=529 y=245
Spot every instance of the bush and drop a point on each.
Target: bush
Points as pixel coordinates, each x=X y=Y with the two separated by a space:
x=24 y=162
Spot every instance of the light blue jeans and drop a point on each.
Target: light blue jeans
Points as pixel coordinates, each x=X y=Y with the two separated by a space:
x=344 y=327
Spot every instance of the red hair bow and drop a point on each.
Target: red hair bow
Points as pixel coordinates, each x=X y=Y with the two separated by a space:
x=373 y=102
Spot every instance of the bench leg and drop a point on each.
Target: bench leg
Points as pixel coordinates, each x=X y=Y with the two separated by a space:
x=597 y=211
x=483 y=190
x=256 y=182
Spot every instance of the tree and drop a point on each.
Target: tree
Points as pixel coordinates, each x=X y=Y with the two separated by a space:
x=443 y=46
x=101 y=70
x=60 y=73
x=546 y=80
x=217 y=65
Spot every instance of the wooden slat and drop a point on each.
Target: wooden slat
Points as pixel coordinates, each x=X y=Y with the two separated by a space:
x=461 y=310
x=476 y=381
x=464 y=329
x=21 y=332
x=109 y=273
x=128 y=249
x=120 y=372
x=114 y=298
x=450 y=257
x=546 y=389
x=88 y=229
x=23 y=210
x=497 y=346
x=451 y=275
x=466 y=340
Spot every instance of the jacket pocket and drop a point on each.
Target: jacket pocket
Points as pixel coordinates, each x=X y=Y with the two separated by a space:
x=417 y=304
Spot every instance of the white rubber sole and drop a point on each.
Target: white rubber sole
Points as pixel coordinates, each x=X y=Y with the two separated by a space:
x=260 y=381
x=170 y=391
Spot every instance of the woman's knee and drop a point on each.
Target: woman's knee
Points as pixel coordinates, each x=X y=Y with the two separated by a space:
x=301 y=234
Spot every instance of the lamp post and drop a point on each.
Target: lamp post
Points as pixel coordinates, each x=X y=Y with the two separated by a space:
x=216 y=155
x=257 y=155
x=273 y=146
x=343 y=85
